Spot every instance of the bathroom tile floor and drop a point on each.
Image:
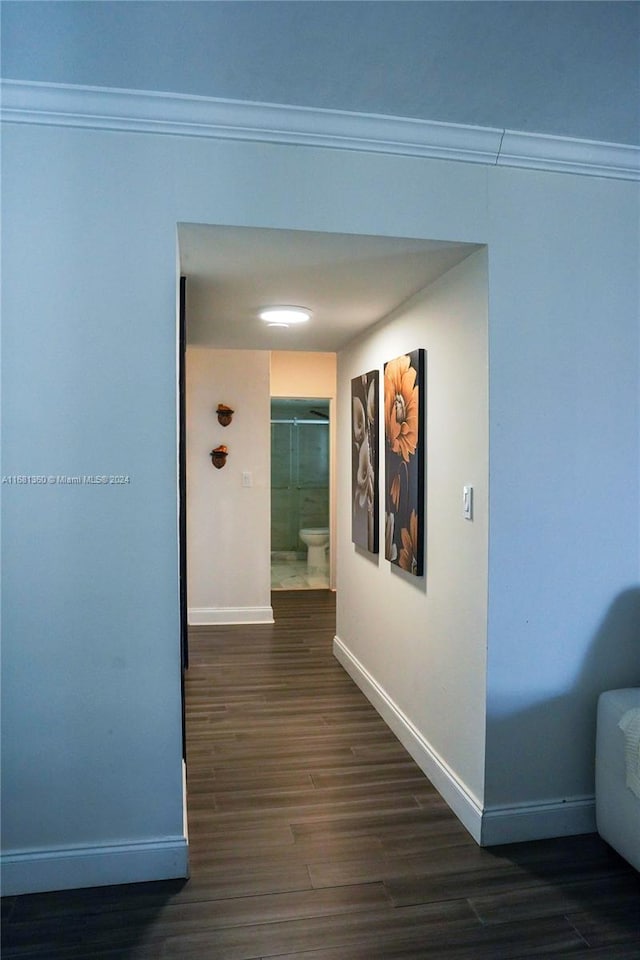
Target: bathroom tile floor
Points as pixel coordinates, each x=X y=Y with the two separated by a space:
x=293 y=575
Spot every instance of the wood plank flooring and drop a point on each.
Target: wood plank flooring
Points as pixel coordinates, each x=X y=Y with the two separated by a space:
x=314 y=836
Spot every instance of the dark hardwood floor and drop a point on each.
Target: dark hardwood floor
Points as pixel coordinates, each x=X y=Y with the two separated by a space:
x=314 y=836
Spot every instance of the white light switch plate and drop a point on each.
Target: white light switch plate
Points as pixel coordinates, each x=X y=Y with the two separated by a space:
x=467 y=502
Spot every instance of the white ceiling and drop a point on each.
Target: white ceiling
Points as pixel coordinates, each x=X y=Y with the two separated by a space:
x=349 y=282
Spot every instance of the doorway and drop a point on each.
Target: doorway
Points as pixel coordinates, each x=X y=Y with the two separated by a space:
x=300 y=494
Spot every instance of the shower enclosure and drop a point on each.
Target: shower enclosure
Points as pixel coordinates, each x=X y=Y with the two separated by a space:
x=299 y=473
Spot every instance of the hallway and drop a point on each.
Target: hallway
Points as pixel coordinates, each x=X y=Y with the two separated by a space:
x=314 y=836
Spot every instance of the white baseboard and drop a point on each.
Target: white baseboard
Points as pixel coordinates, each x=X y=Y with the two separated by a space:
x=36 y=871
x=464 y=804
x=185 y=817
x=488 y=826
x=538 y=821
x=217 y=616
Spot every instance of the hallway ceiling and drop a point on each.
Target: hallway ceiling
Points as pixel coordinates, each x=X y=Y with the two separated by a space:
x=349 y=282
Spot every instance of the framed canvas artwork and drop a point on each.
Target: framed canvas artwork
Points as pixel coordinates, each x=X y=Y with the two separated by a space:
x=364 y=460
x=404 y=429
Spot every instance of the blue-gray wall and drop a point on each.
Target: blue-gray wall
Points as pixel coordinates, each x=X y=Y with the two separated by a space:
x=91 y=723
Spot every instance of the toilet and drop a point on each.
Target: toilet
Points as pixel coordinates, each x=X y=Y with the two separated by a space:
x=317 y=541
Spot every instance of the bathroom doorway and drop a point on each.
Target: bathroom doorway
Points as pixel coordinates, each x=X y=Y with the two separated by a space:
x=300 y=480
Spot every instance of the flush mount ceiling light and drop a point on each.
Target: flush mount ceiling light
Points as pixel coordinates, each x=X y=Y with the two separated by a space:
x=285 y=316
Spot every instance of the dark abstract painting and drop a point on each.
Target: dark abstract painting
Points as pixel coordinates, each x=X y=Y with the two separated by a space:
x=364 y=460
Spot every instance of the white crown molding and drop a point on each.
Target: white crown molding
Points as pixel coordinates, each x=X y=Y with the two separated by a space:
x=148 y=112
x=564 y=155
x=175 y=114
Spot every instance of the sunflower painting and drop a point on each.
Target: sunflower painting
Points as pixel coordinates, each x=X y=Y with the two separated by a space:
x=404 y=389
x=364 y=460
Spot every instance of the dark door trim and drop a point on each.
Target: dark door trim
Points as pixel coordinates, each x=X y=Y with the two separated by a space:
x=182 y=499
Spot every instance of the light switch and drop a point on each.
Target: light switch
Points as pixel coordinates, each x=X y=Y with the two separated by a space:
x=467 y=502
x=247 y=479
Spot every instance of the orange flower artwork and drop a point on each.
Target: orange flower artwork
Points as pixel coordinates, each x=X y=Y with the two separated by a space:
x=401 y=404
x=394 y=491
x=404 y=424
x=408 y=558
